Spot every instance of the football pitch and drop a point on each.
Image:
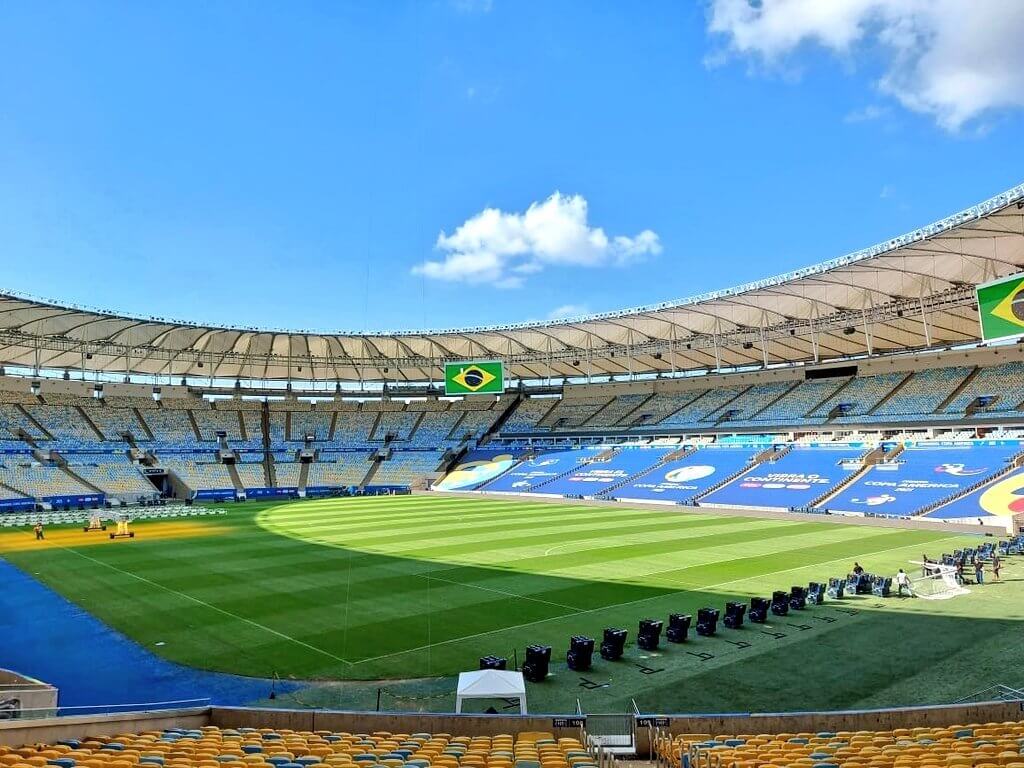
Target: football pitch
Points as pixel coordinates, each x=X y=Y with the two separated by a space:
x=410 y=590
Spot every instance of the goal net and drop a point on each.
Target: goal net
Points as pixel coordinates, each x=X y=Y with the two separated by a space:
x=938 y=582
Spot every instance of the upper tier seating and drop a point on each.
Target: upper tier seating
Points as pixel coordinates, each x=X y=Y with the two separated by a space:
x=528 y=413
x=752 y=401
x=474 y=425
x=395 y=424
x=860 y=395
x=114 y=422
x=795 y=405
x=435 y=427
x=1005 y=382
x=698 y=409
x=278 y=427
x=573 y=412
x=986 y=744
x=316 y=423
x=922 y=394
x=352 y=429
x=14 y=420
x=25 y=398
x=171 y=426
x=659 y=407
x=252 y=421
x=210 y=422
x=63 y=422
x=126 y=401
x=210 y=746
x=616 y=410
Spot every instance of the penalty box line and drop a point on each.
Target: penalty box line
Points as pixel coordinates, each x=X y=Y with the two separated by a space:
x=630 y=602
x=205 y=604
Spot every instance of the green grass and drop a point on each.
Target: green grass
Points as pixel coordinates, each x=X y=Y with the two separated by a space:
x=412 y=589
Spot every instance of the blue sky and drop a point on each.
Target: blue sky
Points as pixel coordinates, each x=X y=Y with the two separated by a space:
x=294 y=164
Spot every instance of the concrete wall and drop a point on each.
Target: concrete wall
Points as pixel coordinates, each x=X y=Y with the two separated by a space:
x=49 y=730
x=367 y=722
x=19 y=693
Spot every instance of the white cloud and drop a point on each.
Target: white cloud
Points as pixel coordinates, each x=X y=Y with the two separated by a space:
x=503 y=248
x=568 y=310
x=951 y=59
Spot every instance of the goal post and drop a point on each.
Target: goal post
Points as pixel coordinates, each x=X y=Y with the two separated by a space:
x=937 y=582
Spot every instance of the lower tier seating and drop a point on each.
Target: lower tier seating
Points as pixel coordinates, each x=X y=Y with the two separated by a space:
x=989 y=745
x=212 y=747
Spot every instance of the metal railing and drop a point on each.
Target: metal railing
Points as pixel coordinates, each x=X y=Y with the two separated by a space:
x=29 y=713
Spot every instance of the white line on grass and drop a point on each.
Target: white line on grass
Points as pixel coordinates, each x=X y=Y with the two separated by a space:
x=265 y=628
x=634 y=602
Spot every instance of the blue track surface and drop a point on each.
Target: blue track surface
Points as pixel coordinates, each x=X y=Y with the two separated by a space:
x=44 y=636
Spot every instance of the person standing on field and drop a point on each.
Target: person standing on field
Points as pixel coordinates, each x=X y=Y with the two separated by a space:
x=996 y=565
x=903 y=582
x=39 y=531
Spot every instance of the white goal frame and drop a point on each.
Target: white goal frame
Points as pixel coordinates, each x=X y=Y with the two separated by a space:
x=939 y=584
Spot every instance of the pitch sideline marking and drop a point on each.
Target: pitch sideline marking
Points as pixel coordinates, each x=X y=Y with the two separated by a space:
x=629 y=602
x=256 y=624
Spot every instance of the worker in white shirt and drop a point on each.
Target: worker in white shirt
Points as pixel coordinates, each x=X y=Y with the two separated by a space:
x=903 y=581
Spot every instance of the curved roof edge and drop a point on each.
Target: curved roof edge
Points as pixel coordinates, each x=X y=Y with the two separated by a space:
x=974 y=212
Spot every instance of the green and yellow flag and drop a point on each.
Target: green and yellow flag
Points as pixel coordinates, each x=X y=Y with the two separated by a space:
x=1001 y=308
x=485 y=377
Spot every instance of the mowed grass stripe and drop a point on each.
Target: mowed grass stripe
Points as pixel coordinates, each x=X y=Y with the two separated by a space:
x=428 y=510
x=624 y=552
x=413 y=523
x=325 y=527
x=472 y=540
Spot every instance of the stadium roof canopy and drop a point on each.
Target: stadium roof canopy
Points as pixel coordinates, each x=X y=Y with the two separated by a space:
x=912 y=292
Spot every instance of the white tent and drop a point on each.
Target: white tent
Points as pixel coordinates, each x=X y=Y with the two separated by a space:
x=491 y=684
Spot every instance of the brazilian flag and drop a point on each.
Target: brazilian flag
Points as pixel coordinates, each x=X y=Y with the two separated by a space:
x=485 y=377
x=1001 y=308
